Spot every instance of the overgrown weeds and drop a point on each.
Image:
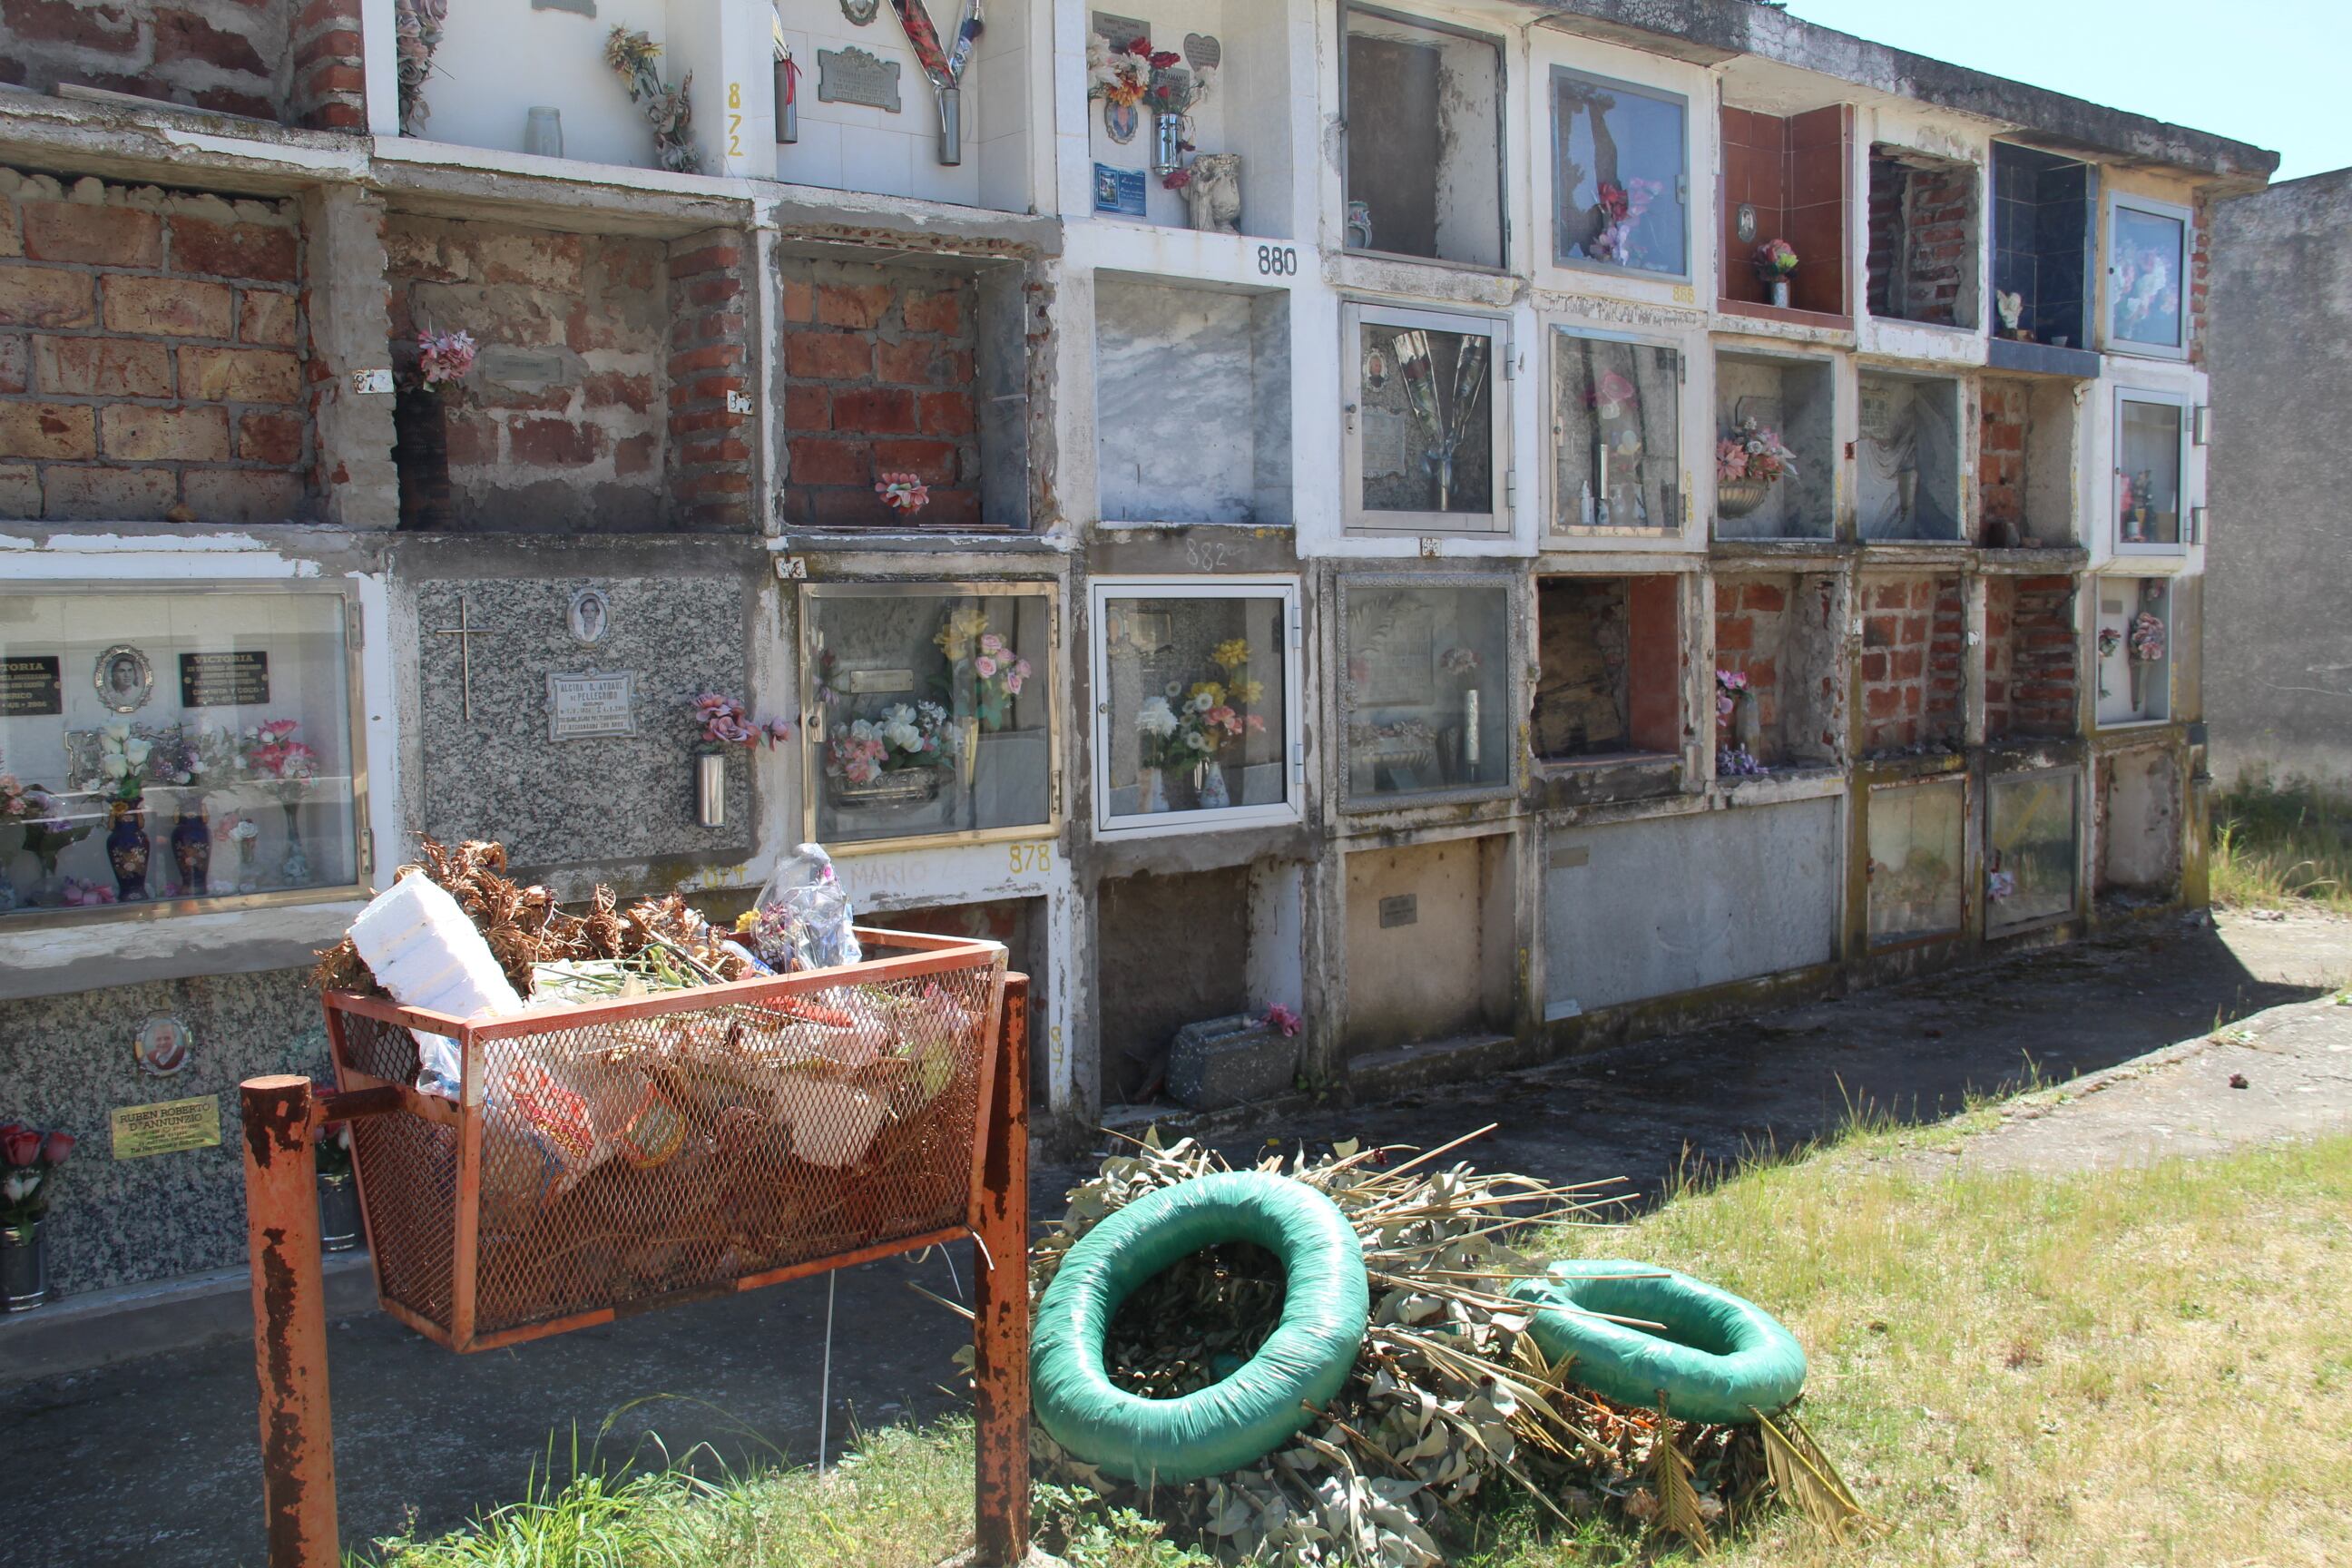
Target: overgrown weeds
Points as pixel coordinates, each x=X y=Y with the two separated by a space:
x=2283 y=847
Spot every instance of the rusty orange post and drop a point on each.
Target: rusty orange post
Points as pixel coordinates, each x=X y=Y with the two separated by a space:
x=1000 y=1299
x=290 y=1321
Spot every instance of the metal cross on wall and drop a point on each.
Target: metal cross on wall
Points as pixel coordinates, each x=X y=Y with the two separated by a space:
x=465 y=632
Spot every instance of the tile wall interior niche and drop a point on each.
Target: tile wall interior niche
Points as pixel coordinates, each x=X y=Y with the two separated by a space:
x=1923 y=218
x=1192 y=403
x=1907 y=460
x=2026 y=428
x=2134 y=669
x=1780 y=630
x=1791 y=175
x=1246 y=113
x=1423 y=140
x=2044 y=212
x=1609 y=650
x=1794 y=399
x=1918 y=852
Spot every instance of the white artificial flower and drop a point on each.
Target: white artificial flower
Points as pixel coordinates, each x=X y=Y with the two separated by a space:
x=1156 y=718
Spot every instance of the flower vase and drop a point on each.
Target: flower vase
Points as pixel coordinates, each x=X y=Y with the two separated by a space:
x=192 y=850
x=1167 y=143
x=2132 y=665
x=1747 y=722
x=294 y=870
x=1151 y=792
x=126 y=849
x=966 y=751
x=1780 y=293
x=248 y=851
x=24 y=1266
x=1211 y=788
x=339 y=1212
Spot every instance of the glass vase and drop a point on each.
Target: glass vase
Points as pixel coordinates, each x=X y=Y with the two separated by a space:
x=24 y=1266
x=127 y=849
x=192 y=850
x=294 y=870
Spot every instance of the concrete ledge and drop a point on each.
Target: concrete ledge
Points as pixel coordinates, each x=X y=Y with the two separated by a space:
x=79 y=1333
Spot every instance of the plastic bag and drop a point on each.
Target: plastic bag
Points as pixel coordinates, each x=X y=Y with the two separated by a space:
x=802 y=917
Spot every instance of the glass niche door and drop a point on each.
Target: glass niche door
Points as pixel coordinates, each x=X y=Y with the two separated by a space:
x=1195 y=685
x=2030 y=847
x=171 y=748
x=1917 y=836
x=1426 y=691
x=930 y=712
x=1616 y=436
x=1425 y=432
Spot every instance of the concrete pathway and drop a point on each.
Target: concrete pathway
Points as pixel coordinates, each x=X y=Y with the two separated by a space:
x=154 y=1460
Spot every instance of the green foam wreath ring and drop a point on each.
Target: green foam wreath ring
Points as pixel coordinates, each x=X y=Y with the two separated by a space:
x=1325 y=1303
x=1720 y=1359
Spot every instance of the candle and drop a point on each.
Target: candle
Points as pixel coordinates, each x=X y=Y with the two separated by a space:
x=1470 y=727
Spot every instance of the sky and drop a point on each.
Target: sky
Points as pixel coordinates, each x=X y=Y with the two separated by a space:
x=2266 y=71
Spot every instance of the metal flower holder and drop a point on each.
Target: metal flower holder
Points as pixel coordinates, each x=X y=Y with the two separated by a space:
x=611 y=1158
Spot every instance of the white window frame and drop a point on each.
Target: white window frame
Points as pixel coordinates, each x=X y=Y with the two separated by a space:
x=1559 y=193
x=2184 y=525
x=1554 y=503
x=1354 y=316
x=2151 y=207
x=1160 y=824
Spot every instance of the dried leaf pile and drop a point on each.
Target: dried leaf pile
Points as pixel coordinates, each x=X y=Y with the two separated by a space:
x=1449 y=1397
x=525 y=927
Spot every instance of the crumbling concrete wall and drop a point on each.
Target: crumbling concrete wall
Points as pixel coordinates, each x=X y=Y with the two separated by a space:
x=151 y=355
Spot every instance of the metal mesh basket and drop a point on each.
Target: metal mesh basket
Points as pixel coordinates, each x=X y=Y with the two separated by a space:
x=606 y=1158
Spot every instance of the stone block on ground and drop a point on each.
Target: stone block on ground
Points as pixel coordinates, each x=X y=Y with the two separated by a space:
x=1234 y=1060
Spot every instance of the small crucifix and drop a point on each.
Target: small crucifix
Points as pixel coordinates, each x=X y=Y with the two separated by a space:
x=465 y=632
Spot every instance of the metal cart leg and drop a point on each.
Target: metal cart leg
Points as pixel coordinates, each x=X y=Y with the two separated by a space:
x=289 y=1321
x=1000 y=1301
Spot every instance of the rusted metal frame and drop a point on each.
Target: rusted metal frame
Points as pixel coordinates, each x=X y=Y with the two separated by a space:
x=1000 y=1218
x=281 y=1116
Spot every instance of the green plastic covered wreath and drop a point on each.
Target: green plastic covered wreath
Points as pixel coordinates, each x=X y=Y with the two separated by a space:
x=1720 y=1359
x=1239 y=1420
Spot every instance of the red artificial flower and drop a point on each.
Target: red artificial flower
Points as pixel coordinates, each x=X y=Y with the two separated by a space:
x=1139 y=47
x=22 y=1145
x=1162 y=60
x=56 y=1147
x=1176 y=179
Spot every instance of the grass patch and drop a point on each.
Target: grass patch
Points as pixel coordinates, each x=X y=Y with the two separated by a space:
x=2142 y=1366
x=2282 y=846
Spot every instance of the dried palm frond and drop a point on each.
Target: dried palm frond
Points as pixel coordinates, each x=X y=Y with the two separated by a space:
x=1804 y=1478
x=1449 y=1391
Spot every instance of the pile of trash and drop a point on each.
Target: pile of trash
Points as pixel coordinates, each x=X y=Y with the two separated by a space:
x=1449 y=1398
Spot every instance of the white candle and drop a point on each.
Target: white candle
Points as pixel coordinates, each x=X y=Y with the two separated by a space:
x=1470 y=727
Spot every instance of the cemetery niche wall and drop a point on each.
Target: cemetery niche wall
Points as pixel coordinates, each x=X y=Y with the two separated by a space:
x=175 y=746
x=1616 y=433
x=930 y=713
x=1908 y=461
x=1424 y=149
x=1426 y=436
x=1427 y=692
x=1775 y=449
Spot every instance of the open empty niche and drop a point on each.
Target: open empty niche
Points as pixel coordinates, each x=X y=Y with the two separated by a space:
x=1424 y=139
x=1192 y=403
x=2032 y=683
x=1909 y=485
x=2025 y=461
x=1914 y=639
x=1778 y=632
x=1610 y=650
x=1244 y=113
x=1431 y=949
x=2132 y=647
x=1917 y=847
x=2030 y=846
x=2044 y=210
x=1785 y=178
x=1923 y=239
x=2140 y=825
x=1183 y=948
x=1783 y=401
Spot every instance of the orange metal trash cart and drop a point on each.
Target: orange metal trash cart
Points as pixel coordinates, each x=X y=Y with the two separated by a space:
x=611 y=1158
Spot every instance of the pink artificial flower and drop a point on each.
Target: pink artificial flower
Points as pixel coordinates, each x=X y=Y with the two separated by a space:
x=56 y=1147
x=990 y=643
x=779 y=730
x=1282 y=1021
x=985 y=666
x=21 y=1145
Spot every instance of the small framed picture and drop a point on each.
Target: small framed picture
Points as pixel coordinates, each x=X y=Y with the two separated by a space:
x=124 y=678
x=590 y=616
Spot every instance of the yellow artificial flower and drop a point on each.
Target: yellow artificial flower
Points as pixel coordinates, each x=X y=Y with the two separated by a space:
x=958 y=638
x=744 y=921
x=1210 y=689
x=1245 y=690
x=1232 y=654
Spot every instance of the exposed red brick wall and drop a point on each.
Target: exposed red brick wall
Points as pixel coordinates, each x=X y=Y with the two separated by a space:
x=1610 y=650
x=1777 y=631
x=1923 y=236
x=151 y=355
x=2031 y=680
x=2001 y=459
x=328 y=87
x=225 y=55
x=560 y=425
x=1751 y=621
x=878 y=376
x=1914 y=634
x=712 y=470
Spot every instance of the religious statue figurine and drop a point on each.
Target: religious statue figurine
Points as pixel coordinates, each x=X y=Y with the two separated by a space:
x=1214 y=193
